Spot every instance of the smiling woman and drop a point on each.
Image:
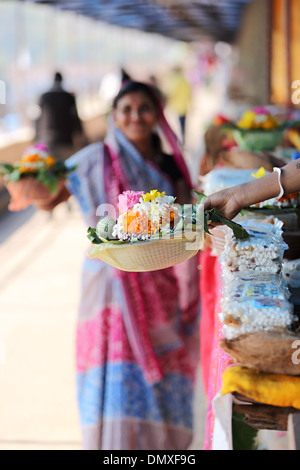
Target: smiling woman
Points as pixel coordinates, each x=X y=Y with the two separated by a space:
x=136 y=115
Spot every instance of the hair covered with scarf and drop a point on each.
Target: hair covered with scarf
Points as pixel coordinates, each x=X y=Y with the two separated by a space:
x=131 y=86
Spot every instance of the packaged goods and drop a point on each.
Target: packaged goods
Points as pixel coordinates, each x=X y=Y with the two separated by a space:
x=261 y=313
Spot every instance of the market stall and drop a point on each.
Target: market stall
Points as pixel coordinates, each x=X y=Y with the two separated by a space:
x=252 y=369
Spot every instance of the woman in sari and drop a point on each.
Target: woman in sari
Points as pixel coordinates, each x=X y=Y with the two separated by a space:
x=137 y=334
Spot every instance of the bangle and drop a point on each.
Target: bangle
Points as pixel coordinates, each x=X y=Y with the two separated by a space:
x=278 y=171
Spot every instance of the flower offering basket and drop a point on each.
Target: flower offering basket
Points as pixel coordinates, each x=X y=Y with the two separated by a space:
x=257 y=139
x=142 y=251
x=36 y=178
x=259 y=130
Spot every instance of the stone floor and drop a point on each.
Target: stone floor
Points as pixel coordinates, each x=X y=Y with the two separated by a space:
x=39 y=285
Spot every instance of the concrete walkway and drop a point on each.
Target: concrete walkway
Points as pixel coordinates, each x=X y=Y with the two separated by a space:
x=39 y=286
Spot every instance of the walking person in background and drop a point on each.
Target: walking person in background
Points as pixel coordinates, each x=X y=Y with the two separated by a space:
x=58 y=125
x=179 y=95
x=137 y=333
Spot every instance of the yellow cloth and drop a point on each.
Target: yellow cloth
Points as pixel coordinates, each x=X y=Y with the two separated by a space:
x=179 y=94
x=294 y=137
x=270 y=389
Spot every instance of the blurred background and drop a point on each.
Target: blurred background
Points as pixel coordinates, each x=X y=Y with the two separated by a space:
x=235 y=54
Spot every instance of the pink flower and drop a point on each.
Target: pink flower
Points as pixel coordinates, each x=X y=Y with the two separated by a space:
x=35 y=147
x=128 y=199
x=41 y=146
x=261 y=110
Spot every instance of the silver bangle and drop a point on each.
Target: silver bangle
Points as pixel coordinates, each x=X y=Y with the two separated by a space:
x=278 y=171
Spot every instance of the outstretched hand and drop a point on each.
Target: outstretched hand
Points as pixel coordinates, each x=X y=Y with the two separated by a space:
x=30 y=191
x=225 y=201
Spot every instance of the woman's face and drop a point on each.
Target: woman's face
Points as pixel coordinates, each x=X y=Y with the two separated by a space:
x=136 y=116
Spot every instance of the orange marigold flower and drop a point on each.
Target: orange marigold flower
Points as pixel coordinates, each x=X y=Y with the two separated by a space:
x=31 y=158
x=134 y=222
x=50 y=160
x=26 y=169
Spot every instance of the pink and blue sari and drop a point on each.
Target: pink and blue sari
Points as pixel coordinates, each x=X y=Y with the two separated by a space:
x=137 y=333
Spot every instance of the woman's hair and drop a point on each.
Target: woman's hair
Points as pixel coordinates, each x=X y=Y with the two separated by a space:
x=136 y=87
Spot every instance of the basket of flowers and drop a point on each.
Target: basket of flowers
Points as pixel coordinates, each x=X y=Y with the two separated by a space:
x=258 y=130
x=38 y=176
x=152 y=232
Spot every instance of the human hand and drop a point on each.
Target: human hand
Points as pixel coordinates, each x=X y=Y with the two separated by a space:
x=226 y=201
x=61 y=195
x=29 y=191
x=24 y=192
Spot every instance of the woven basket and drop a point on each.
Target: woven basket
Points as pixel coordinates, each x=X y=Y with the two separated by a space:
x=149 y=255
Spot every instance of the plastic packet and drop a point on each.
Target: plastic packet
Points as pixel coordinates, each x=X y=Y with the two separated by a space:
x=256 y=314
x=261 y=252
x=249 y=276
x=240 y=290
x=268 y=225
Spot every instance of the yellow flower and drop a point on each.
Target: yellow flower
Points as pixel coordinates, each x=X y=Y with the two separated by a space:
x=150 y=197
x=261 y=172
x=253 y=120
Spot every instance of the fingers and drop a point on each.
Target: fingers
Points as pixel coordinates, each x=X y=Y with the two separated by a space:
x=15 y=206
x=207 y=203
x=61 y=196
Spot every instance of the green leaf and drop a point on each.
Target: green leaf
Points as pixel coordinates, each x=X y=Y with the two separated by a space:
x=207 y=222
x=92 y=236
x=239 y=231
x=15 y=175
x=244 y=437
x=49 y=180
x=201 y=197
x=6 y=168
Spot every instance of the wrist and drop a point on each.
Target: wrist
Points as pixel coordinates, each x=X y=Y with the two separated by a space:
x=255 y=192
x=279 y=172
